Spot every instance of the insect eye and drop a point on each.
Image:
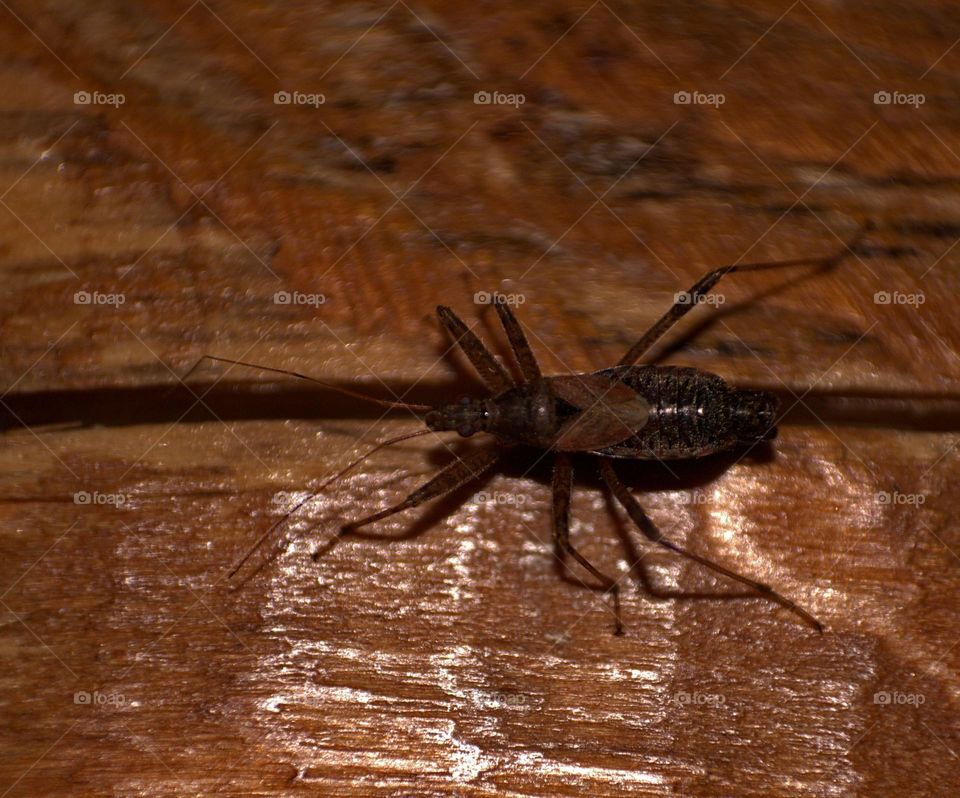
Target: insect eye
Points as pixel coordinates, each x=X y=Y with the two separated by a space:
x=465 y=431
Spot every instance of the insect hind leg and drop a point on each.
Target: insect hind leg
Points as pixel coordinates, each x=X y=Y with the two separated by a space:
x=690 y=298
x=647 y=527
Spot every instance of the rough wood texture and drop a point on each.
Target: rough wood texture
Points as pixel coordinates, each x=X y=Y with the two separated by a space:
x=455 y=660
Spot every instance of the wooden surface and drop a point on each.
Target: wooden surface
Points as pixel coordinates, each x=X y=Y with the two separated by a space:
x=456 y=660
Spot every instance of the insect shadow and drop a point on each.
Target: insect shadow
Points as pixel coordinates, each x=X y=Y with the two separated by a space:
x=629 y=412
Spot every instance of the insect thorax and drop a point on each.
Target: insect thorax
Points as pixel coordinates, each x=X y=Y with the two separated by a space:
x=530 y=414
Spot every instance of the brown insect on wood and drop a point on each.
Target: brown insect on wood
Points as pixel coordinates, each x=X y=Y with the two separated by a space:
x=629 y=411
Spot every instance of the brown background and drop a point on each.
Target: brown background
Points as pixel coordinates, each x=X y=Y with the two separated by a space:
x=456 y=660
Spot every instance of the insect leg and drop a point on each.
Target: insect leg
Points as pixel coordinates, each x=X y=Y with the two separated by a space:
x=488 y=367
x=691 y=298
x=640 y=518
x=518 y=342
x=310 y=497
x=562 y=486
x=449 y=478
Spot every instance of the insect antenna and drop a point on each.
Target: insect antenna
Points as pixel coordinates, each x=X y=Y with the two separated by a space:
x=341 y=473
x=391 y=403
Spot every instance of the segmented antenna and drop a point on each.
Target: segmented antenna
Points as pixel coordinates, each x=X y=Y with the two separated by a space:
x=338 y=389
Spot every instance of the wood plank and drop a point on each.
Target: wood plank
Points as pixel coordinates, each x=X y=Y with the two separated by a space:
x=456 y=660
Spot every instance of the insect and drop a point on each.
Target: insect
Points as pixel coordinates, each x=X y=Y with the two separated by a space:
x=628 y=411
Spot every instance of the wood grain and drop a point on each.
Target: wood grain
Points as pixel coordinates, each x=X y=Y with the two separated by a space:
x=445 y=653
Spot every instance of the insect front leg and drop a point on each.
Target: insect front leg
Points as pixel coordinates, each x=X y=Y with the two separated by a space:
x=518 y=343
x=562 y=486
x=649 y=529
x=488 y=367
x=449 y=478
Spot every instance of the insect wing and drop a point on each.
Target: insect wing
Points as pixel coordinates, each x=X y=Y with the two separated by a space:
x=611 y=412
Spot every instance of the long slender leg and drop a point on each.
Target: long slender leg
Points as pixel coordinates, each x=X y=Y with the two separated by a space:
x=449 y=478
x=488 y=367
x=562 y=486
x=518 y=342
x=640 y=518
x=692 y=297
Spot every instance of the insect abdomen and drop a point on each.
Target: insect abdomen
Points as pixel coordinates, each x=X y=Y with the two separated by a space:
x=689 y=413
